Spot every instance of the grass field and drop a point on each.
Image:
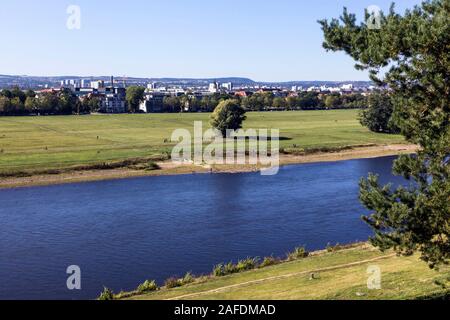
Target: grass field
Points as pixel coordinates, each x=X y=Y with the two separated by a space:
x=30 y=143
x=338 y=275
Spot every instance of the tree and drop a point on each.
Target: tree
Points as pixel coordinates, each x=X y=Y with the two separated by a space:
x=30 y=93
x=7 y=93
x=48 y=103
x=415 y=47
x=134 y=96
x=17 y=93
x=332 y=101
x=68 y=102
x=228 y=115
x=171 y=104
x=279 y=103
x=378 y=114
x=31 y=104
x=5 y=105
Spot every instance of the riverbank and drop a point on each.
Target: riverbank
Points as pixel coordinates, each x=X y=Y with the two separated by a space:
x=337 y=274
x=169 y=168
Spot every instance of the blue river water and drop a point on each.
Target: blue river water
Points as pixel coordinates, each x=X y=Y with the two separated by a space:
x=123 y=232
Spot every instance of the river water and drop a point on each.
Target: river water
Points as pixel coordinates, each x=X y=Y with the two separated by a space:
x=123 y=232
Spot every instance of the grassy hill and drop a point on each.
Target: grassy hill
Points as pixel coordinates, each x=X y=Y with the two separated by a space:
x=337 y=275
x=29 y=143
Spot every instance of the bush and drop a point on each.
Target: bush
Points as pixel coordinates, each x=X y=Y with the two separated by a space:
x=107 y=294
x=334 y=248
x=218 y=270
x=298 y=253
x=229 y=268
x=152 y=166
x=221 y=270
x=246 y=264
x=269 y=261
x=172 y=283
x=147 y=286
x=188 y=278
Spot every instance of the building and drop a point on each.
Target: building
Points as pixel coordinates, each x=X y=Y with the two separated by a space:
x=113 y=100
x=97 y=84
x=227 y=86
x=153 y=102
x=151 y=86
x=112 y=103
x=347 y=87
x=214 y=87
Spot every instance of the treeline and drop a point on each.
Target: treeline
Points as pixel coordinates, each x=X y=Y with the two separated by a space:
x=267 y=101
x=65 y=102
x=17 y=102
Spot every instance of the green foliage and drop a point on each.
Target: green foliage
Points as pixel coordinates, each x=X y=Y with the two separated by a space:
x=134 y=96
x=269 y=261
x=147 y=286
x=228 y=115
x=246 y=264
x=218 y=270
x=172 y=283
x=378 y=115
x=298 y=253
x=188 y=278
x=416 y=48
x=107 y=294
x=221 y=270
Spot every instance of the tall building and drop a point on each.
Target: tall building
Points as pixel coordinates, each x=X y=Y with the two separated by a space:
x=227 y=86
x=214 y=87
x=97 y=84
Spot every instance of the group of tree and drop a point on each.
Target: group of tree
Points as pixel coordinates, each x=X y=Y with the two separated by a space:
x=18 y=102
x=415 y=48
x=266 y=101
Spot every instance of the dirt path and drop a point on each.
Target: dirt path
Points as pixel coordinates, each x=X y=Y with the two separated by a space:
x=222 y=289
x=169 y=168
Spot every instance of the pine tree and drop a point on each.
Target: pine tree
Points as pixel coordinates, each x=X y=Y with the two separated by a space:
x=415 y=48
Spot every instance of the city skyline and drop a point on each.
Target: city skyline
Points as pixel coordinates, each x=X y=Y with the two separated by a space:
x=160 y=39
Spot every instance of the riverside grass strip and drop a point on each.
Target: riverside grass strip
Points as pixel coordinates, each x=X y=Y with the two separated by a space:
x=338 y=275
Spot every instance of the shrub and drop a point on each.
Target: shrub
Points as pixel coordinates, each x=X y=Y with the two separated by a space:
x=229 y=268
x=334 y=248
x=151 y=165
x=107 y=294
x=246 y=264
x=172 y=283
x=147 y=286
x=298 y=253
x=269 y=261
x=218 y=270
x=188 y=278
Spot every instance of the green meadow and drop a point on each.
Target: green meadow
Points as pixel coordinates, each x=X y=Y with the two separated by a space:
x=39 y=143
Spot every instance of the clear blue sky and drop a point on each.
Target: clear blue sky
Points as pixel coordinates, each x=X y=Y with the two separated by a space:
x=263 y=40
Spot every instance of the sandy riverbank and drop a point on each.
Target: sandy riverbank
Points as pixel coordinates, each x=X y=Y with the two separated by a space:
x=168 y=168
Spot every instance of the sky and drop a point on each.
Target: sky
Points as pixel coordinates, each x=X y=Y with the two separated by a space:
x=262 y=40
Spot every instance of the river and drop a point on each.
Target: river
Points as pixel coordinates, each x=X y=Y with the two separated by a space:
x=122 y=232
